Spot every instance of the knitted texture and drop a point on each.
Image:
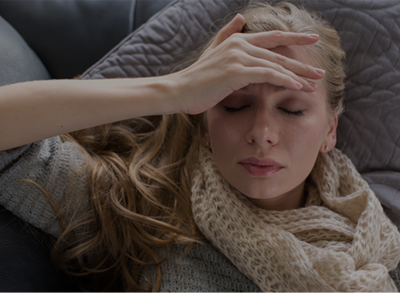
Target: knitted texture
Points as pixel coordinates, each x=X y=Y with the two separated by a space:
x=340 y=241
x=48 y=166
x=203 y=269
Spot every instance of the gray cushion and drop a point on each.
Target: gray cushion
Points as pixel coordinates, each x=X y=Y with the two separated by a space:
x=17 y=60
x=368 y=130
x=166 y=38
x=144 y=9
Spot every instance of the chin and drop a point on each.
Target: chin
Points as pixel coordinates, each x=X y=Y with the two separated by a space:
x=262 y=193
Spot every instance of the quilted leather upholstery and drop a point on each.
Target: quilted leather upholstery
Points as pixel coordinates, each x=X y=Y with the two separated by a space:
x=369 y=129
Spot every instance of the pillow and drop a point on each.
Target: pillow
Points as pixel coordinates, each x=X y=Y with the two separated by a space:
x=181 y=27
x=368 y=130
x=17 y=60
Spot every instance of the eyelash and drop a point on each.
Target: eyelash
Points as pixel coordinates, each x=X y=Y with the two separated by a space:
x=297 y=113
x=234 y=109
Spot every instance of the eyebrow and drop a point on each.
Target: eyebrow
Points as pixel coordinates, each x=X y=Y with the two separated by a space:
x=276 y=88
x=279 y=89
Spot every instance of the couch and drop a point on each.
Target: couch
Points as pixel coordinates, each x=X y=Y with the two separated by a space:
x=39 y=40
x=368 y=130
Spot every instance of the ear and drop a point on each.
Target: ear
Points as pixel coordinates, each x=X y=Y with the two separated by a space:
x=205 y=140
x=205 y=135
x=330 y=139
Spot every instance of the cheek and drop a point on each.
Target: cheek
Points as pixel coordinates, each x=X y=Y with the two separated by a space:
x=318 y=129
x=226 y=141
x=304 y=134
x=304 y=140
x=223 y=130
x=298 y=146
x=301 y=136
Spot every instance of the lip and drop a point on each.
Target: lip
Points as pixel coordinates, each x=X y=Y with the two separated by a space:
x=261 y=167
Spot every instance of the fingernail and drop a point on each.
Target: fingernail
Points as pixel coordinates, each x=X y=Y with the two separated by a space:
x=312 y=84
x=314 y=36
x=299 y=86
x=319 y=71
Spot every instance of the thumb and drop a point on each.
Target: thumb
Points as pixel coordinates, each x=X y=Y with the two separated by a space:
x=234 y=26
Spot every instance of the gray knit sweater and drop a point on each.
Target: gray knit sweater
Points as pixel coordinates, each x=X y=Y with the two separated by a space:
x=58 y=166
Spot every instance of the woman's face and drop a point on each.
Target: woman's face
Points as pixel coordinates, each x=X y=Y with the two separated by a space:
x=265 y=139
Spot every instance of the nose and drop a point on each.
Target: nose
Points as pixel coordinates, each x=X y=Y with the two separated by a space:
x=263 y=130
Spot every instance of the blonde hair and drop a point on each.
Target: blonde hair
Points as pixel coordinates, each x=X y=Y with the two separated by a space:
x=326 y=52
x=140 y=174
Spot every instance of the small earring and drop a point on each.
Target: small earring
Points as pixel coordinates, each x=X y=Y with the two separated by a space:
x=326 y=148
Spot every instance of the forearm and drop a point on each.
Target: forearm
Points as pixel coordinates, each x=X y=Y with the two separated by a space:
x=37 y=110
x=34 y=111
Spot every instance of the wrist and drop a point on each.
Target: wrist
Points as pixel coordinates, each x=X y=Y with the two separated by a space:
x=157 y=95
x=180 y=91
x=140 y=97
x=167 y=89
x=171 y=87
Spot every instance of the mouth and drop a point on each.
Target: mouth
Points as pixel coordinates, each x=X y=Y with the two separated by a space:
x=261 y=167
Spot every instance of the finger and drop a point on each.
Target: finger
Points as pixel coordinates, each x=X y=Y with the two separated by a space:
x=307 y=86
x=234 y=26
x=290 y=64
x=268 y=75
x=273 y=39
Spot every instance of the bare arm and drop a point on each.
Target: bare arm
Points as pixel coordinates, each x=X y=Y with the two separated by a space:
x=37 y=110
x=33 y=111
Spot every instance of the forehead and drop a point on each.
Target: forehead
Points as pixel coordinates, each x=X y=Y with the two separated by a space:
x=299 y=53
x=302 y=54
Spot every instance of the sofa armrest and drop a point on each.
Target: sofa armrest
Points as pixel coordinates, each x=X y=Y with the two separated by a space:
x=25 y=264
x=17 y=60
x=69 y=36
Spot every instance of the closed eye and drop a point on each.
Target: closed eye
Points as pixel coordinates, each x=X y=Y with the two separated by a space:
x=234 y=109
x=297 y=113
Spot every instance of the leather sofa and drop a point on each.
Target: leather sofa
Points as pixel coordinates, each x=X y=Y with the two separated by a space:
x=42 y=39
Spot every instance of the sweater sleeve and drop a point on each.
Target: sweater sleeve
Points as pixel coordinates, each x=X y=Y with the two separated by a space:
x=33 y=174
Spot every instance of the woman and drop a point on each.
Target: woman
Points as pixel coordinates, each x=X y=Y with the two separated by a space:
x=239 y=171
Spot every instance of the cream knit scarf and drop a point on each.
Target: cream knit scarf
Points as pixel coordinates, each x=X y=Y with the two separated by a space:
x=340 y=241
